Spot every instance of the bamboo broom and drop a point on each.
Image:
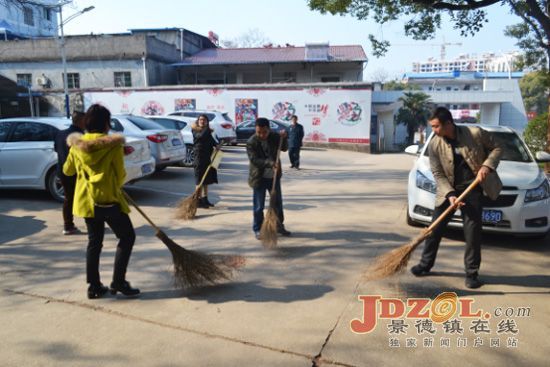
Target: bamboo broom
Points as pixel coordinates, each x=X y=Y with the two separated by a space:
x=193 y=268
x=187 y=208
x=396 y=260
x=270 y=225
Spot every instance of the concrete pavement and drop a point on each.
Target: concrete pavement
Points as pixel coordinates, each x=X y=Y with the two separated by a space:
x=286 y=307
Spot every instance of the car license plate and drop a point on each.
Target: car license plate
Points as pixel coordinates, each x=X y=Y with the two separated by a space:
x=146 y=168
x=176 y=142
x=491 y=216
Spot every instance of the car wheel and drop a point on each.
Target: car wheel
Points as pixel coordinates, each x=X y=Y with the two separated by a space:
x=189 y=160
x=54 y=186
x=160 y=168
x=410 y=221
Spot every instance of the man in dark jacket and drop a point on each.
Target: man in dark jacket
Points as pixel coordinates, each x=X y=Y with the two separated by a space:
x=68 y=182
x=262 y=152
x=295 y=137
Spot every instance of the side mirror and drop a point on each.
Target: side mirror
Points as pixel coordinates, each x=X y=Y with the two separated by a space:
x=412 y=149
x=542 y=157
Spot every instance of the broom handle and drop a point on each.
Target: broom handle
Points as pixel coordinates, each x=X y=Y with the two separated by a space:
x=208 y=168
x=452 y=207
x=276 y=162
x=140 y=211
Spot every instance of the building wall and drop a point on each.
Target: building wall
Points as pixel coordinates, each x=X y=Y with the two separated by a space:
x=277 y=73
x=41 y=27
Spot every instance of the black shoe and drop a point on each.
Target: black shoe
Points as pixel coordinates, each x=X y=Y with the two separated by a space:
x=257 y=235
x=419 y=271
x=291 y=167
x=208 y=202
x=283 y=232
x=97 y=291
x=473 y=282
x=203 y=204
x=124 y=288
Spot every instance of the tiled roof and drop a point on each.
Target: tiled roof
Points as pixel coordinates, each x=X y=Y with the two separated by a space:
x=266 y=55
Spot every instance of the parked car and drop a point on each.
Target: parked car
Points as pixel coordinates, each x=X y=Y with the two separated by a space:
x=247 y=128
x=523 y=206
x=223 y=126
x=166 y=144
x=28 y=160
x=183 y=124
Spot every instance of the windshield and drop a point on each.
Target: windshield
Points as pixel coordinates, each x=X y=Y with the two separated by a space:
x=145 y=124
x=513 y=149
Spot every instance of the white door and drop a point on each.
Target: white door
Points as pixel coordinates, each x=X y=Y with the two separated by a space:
x=27 y=154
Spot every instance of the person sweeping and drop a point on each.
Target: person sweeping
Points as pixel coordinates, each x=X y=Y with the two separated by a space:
x=97 y=160
x=204 y=144
x=262 y=149
x=459 y=156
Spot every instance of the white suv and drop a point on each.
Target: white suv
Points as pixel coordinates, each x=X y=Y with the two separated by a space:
x=523 y=206
x=223 y=126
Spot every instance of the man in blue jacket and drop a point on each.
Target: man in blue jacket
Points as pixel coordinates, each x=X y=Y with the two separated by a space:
x=295 y=137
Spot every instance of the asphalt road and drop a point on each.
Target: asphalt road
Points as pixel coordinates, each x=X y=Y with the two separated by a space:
x=293 y=306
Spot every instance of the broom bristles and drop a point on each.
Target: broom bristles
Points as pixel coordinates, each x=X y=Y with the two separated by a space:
x=193 y=268
x=394 y=261
x=268 y=231
x=187 y=208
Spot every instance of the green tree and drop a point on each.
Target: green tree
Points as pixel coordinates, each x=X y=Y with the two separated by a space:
x=535 y=133
x=414 y=114
x=396 y=85
x=535 y=89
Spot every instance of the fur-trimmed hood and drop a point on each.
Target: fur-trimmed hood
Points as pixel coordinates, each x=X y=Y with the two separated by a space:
x=93 y=147
x=197 y=128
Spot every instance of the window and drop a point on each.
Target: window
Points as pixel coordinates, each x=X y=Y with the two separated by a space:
x=145 y=124
x=116 y=125
x=123 y=79
x=73 y=80
x=32 y=131
x=329 y=79
x=28 y=16
x=24 y=80
x=4 y=130
x=47 y=14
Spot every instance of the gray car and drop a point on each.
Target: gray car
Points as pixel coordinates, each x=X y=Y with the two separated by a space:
x=166 y=144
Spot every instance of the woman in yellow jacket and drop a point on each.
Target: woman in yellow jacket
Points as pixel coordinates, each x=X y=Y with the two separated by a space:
x=97 y=159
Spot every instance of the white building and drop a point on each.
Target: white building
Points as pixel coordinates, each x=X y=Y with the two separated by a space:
x=501 y=62
x=28 y=20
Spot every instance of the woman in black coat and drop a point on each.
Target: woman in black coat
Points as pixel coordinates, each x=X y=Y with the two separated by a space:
x=204 y=145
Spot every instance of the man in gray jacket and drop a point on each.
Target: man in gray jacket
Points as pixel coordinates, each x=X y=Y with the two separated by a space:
x=459 y=154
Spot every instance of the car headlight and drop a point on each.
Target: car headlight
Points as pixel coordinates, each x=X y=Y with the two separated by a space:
x=424 y=183
x=540 y=193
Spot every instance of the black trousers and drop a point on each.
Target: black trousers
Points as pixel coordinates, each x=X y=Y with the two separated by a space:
x=68 y=183
x=471 y=216
x=122 y=227
x=294 y=156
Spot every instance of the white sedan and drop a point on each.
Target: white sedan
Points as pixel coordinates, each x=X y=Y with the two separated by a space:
x=28 y=159
x=523 y=206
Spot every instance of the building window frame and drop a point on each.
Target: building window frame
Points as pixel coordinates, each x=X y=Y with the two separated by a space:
x=28 y=15
x=24 y=79
x=122 y=79
x=73 y=80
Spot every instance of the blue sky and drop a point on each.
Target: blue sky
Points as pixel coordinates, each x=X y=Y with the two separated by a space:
x=286 y=21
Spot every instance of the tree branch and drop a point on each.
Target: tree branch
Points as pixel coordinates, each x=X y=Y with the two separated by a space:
x=468 y=5
x=540 y=37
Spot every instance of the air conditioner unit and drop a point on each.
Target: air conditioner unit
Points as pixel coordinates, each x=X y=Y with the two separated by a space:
x=43 y=81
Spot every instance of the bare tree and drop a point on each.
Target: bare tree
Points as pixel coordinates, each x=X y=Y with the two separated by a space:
x=379 y=75
x=251 y=38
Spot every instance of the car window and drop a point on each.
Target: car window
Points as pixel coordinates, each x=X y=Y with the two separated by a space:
x=116 y=125
x=248 y=124
x=32 y=131
x=273 y=126
x=4 y=129
x=191 y=114
x=144 y=124
x=182 y=125
x=513 y=149
x=226 y=117
x=167 y=123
